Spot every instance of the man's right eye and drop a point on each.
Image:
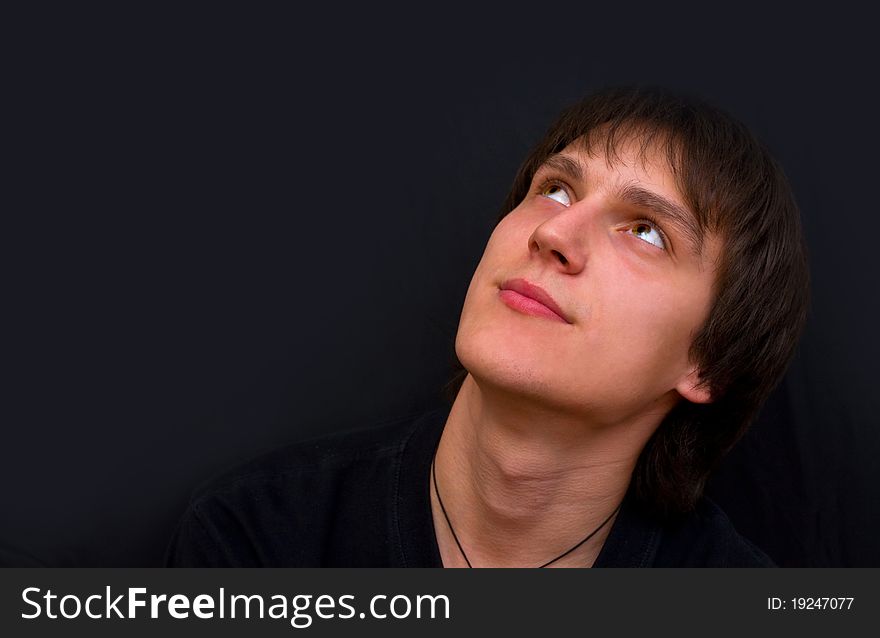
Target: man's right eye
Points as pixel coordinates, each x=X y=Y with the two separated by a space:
x=552 y=189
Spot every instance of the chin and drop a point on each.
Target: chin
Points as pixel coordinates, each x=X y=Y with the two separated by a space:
x=516 y=369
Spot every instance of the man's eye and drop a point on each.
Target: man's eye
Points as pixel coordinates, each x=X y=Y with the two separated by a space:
x=554 y=191
x=650 y=234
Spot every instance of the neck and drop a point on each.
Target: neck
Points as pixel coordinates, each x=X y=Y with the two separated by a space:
x=523 y=483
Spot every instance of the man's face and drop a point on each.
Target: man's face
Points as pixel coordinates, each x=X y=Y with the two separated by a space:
x=633 y=294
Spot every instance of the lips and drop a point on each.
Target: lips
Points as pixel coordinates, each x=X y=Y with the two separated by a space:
x=535 y=293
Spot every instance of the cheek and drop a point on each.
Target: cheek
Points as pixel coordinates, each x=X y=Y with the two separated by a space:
x=648 y=325
x=510 y=233
x=506 y=248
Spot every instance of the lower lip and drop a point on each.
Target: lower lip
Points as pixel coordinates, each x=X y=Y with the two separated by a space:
x=527 y=305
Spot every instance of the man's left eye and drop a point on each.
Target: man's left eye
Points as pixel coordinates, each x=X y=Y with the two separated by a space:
x=554 y=191
x=647 y=232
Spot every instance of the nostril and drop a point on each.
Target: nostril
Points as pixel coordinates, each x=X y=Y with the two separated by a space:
x=561 y=257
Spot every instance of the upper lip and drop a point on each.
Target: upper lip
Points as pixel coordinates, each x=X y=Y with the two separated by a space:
x=535 y=292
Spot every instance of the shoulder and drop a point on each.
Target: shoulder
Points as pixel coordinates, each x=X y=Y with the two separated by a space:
x=309 y=456
x=707 y=538
x=248 y=515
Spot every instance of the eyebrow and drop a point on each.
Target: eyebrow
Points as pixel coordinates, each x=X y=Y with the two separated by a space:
x=683 y=220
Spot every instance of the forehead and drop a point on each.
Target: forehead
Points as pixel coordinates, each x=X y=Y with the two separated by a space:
x=620 y=158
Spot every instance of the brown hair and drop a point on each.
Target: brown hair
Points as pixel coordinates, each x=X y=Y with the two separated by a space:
x=737 y=191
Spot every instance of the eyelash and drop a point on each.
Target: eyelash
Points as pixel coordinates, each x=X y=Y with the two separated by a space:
x=550 y=181
x=645 y=218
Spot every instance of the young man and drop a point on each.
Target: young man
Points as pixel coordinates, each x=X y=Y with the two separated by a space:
x=640 y=296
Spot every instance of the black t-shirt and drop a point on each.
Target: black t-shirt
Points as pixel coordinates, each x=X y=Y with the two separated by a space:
x=361 y=499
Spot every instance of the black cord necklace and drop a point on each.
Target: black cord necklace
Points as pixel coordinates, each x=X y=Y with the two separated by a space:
x=461 y=549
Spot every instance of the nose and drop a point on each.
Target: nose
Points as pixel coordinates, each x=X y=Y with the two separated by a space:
x=561 y=240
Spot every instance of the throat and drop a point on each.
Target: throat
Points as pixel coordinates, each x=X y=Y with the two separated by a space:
x=518 y=548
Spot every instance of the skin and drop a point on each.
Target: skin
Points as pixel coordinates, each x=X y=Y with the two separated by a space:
x=542 y=439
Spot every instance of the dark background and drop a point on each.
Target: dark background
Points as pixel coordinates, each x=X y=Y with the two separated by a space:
x=225 y=233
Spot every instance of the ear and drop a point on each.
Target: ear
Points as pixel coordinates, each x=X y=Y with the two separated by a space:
x=689 y=387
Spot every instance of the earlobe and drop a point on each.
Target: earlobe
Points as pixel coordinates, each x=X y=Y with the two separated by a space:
x=689 y=388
